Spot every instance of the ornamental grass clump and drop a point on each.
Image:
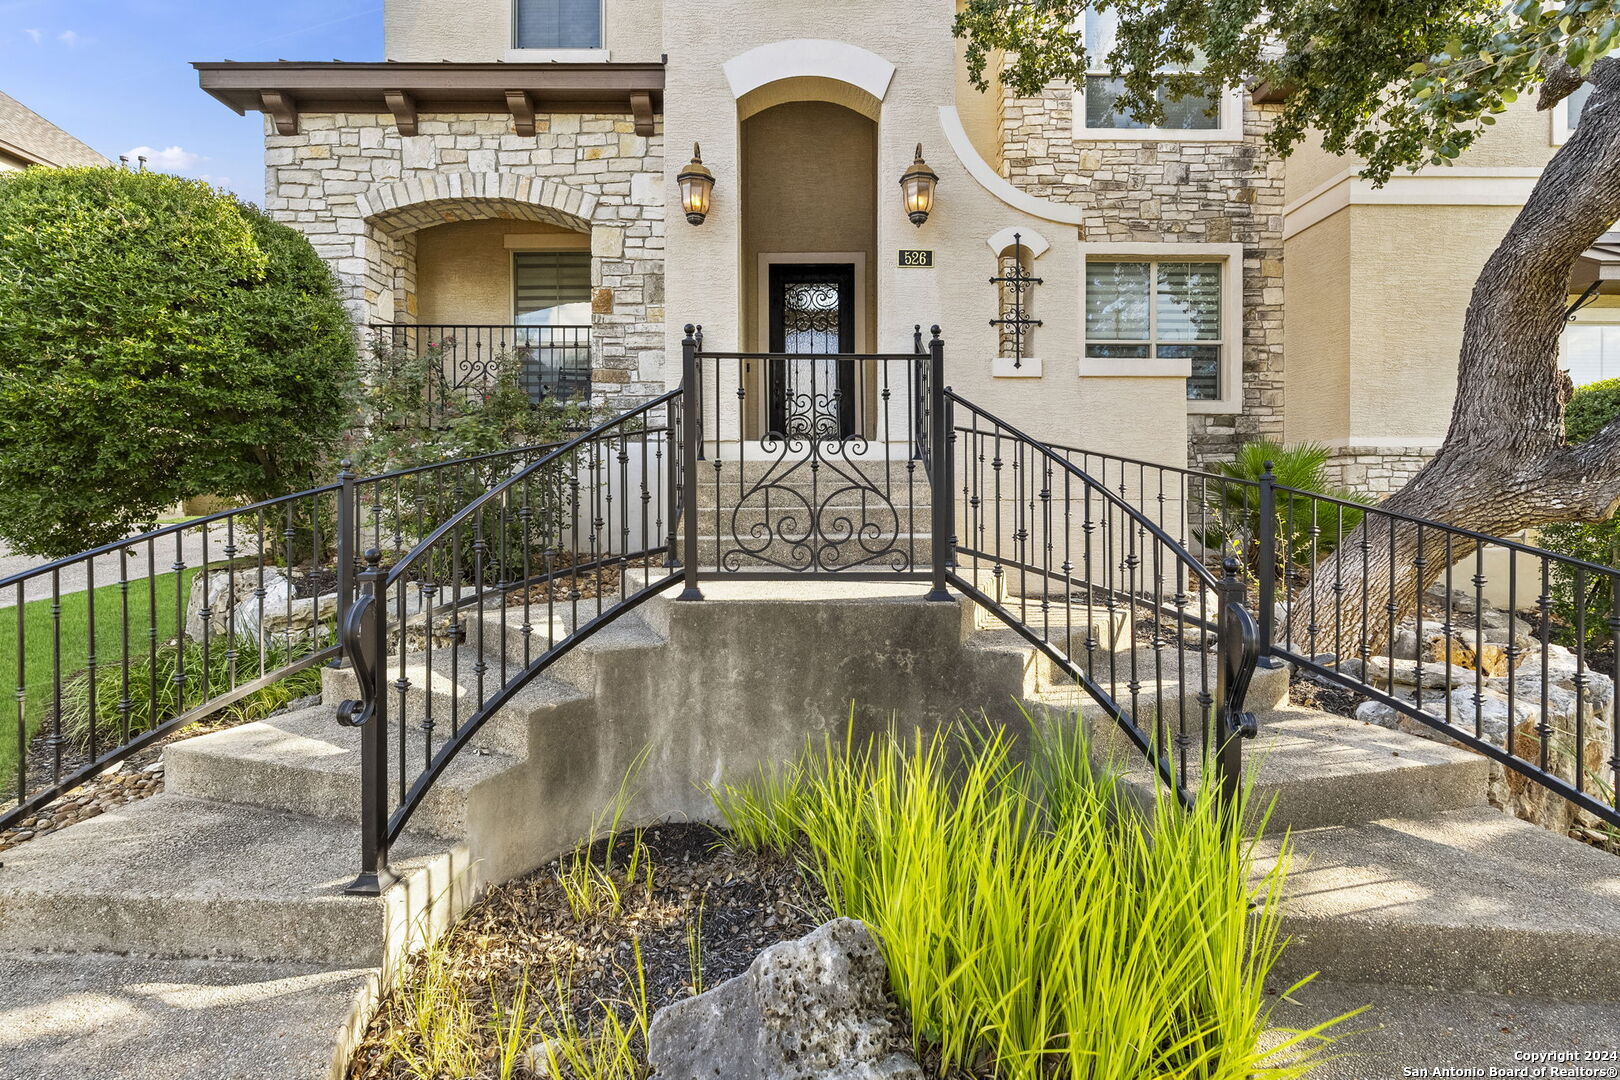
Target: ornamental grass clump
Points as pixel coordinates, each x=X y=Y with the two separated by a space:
x=1036 y=921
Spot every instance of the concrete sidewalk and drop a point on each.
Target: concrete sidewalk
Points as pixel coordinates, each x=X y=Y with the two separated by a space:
x=186 y=545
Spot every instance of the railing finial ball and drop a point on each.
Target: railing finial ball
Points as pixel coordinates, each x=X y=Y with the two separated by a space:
x=373 y=557
x=1230 y=566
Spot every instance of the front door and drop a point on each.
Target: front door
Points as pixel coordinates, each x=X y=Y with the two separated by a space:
x=812 y=319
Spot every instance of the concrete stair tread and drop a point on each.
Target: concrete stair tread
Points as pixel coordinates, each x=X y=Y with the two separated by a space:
x=177 y=847
x=1471 y=899
x=1324 y=769
x=308 y=763
x=141 y=1017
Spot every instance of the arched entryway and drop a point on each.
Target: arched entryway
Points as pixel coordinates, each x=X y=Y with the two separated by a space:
x=809 y=246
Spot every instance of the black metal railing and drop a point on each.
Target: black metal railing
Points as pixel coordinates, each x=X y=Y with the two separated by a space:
x=114 y=648
x=1485 y=641
x=443 y=635
x=1147 y=630
x=465 y=361
x=812 y=462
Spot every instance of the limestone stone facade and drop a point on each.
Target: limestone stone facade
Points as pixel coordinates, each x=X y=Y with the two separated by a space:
x=1156 y=191
x=361 y=192
x=1377 y=471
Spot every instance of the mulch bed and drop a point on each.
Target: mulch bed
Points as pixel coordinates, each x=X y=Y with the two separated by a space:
x=735 y=903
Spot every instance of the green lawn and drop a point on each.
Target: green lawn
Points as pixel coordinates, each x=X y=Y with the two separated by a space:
x=40 y=671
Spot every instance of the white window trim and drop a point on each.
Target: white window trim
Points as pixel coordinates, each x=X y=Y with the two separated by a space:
x=515 y=55
x=1232 y=321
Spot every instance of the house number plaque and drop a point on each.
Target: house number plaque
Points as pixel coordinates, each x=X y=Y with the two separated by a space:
x=916 y=257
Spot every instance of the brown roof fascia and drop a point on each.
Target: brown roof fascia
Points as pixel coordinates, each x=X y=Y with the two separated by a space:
x=311 y=86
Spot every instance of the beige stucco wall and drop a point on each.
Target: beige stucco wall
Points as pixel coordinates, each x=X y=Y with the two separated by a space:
x=1520 y=139
x=1316 y=331
x=481 y=30
x=464 y=269
x=1145 y=416
x=809 y=172
x=1373 y=328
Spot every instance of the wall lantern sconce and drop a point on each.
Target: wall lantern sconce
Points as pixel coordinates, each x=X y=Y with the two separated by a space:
x=696 y=182
x=917 y=188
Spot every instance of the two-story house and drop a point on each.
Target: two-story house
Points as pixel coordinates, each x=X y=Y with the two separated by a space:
x=511 y=176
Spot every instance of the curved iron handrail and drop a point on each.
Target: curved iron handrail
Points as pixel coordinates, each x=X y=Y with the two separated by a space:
x=1234 y=629
x=1192 y=563
x=398 y=569
x=381 y=629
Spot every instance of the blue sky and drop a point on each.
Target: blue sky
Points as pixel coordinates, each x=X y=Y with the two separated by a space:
x=117 y=73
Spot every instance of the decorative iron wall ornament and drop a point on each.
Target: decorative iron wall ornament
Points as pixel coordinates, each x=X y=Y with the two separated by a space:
x=1015 y=283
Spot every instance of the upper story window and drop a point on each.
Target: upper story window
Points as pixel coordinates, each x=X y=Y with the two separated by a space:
x=1142 y=310
x=1213 y=114
x=557 y=24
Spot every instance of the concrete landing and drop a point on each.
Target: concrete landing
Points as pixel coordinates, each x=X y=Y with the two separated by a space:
x=133 y=1018
x=1425 y=1029
x=1469 y=900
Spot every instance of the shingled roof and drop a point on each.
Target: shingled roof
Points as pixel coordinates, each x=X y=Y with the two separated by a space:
x=27 y=135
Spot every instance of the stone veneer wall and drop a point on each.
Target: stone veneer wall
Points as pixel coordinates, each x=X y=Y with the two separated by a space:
x=360 y=191
x=1376 y=471
x=1149 y=192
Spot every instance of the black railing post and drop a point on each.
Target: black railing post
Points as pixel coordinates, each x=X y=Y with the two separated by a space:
x=1238 y=651
x=346 y=542
x=1267 y=556
x=365 y=639
x=939 y=471
x=691 y=434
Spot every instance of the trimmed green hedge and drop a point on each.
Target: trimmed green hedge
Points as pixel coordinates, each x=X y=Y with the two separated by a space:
x=162 y=340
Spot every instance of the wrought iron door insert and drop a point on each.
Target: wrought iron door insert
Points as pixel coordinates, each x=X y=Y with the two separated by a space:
x=812 y=311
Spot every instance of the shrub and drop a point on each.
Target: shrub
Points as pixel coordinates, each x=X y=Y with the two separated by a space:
x=162 y=340
x=1307 y=530
x=1572 y=595
x=1036 y=923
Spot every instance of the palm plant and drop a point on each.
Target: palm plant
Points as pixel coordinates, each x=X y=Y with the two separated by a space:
x=1312 y=513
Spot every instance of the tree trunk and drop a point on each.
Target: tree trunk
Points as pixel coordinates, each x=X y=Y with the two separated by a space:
x=1504 y=465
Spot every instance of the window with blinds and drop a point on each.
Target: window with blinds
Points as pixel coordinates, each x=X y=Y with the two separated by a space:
x=552 y=288
x=1158 y=310
x=558 y=24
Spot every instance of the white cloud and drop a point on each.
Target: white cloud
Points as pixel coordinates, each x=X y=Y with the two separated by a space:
x=69 y=38
x=217 y=181
x=169 y=159
x=35 y=36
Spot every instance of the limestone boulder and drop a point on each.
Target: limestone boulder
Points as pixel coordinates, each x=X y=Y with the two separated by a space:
x=812 y=1009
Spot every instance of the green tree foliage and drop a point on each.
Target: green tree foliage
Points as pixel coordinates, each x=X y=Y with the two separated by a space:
x=1585 y=598
x=161 y=341
x=1400 y=83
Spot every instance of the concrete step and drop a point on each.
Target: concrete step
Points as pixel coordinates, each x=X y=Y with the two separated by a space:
x=305 y=762
x=581 y=668
x=1469 y=900
x=176 y=876
x=455 y=686
x=1323 y=769
x=140 y=1018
